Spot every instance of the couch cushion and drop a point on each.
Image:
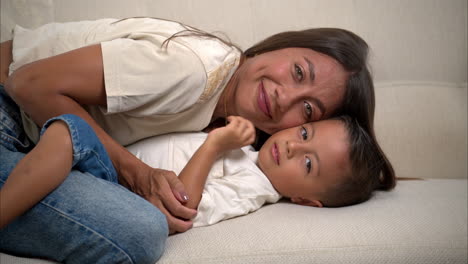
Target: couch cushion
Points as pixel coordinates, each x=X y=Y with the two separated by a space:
x=418 y=222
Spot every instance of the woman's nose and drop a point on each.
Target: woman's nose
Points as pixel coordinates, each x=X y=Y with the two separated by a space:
x=286 y=97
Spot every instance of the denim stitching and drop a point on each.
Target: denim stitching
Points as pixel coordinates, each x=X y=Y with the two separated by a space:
x=109 y=173
x=73 y=134
x=63 y=214
x=75 y=138
x=5 y=119
x=12 y=140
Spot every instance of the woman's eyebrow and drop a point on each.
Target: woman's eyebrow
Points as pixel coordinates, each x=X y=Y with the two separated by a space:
x=319 y=103
x=311 y=69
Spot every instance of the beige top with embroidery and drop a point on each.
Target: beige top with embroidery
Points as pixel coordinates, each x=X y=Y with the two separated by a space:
x=150 y=89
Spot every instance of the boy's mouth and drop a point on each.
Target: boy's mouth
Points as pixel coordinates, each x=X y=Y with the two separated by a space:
x=275 y=153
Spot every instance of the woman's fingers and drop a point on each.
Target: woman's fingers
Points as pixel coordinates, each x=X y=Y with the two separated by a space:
x=167 y=182
x=175 y=224
x=159 y=192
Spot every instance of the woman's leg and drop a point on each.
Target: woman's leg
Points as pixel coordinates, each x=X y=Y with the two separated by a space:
x=85 y=220
x=12 y=135
x=71 y=140
x=37 y=174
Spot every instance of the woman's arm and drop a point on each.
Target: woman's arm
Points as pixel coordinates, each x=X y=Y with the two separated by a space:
x=5 y=60
x=238 y=133
x=62 y=84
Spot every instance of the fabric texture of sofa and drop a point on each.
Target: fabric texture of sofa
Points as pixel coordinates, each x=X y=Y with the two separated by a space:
x=419 y=61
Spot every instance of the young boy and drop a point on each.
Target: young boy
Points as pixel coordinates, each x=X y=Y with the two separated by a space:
x=327 y=163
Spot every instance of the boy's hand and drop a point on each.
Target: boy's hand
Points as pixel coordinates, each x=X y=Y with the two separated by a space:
x=238 y=133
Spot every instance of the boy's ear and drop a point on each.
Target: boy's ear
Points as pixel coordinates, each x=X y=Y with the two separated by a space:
x=307 y=202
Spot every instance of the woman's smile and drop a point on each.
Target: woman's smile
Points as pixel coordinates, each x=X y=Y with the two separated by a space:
x=263 y=101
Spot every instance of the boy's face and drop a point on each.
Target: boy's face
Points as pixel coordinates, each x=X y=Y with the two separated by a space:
x=303 y=162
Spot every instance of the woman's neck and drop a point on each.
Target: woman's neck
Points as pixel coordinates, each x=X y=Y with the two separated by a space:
x=225 y=106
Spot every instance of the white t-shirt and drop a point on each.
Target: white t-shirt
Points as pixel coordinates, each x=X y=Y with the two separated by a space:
x=235 y=185
x=150 y=89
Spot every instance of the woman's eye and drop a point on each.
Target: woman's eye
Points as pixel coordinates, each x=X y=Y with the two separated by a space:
x=304 y=133
x=308 y=164
x=308 y=110
x=299 y=72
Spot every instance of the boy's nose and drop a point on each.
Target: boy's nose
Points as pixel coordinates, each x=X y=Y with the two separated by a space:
x=293 y=148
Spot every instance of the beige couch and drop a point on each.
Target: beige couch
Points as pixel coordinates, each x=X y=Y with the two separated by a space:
x=419 y=52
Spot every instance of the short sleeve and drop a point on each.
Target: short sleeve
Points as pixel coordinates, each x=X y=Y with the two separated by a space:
x=143 y=78
x=228 y=197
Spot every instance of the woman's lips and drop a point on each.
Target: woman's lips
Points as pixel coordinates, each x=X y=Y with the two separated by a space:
x=262 y=100
x=275 y=153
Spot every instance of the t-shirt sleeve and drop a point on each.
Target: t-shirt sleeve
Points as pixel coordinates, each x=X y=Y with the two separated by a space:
x=232 y=196
x=143 y=78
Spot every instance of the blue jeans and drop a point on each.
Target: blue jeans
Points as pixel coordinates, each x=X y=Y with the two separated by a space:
x=89 y=218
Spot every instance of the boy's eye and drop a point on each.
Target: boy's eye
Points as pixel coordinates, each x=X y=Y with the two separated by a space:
x=304 y=133
x=299 y=73
x=308 y=110
x=308 y=164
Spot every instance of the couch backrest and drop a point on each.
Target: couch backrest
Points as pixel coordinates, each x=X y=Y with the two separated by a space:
x=419 y=57
x=422 y=127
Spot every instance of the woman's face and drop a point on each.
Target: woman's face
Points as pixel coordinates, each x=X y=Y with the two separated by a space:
x=288 y=87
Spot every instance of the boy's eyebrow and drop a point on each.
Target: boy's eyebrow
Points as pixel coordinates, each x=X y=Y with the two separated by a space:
x=312 y=133
x=318 y=163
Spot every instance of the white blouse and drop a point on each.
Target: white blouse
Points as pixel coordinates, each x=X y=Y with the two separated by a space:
x=150 y=89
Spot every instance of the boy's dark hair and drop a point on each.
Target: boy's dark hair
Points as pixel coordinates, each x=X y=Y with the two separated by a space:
x=370 y=169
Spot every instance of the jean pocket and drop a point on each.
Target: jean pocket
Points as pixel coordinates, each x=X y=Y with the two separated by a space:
x=12 y=135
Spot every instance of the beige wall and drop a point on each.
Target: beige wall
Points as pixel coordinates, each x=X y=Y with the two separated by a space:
x=419 y=57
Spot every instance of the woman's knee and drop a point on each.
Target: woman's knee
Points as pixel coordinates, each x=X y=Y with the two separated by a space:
x=145 y=238
x=94 y=221
x=89 y=154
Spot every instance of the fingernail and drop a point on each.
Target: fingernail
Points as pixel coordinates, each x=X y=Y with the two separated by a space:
x=184 y=196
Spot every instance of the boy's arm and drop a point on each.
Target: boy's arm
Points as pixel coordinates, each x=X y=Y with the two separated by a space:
x=37 y=174
x=238 y=133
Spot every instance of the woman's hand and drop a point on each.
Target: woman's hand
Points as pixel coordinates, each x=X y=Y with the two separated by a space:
x=163 y=189
x=238 y=133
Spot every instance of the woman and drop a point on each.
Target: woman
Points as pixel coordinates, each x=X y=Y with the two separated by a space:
x=139 y=77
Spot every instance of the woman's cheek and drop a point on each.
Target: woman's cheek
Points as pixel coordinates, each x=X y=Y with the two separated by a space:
x=289 y=121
